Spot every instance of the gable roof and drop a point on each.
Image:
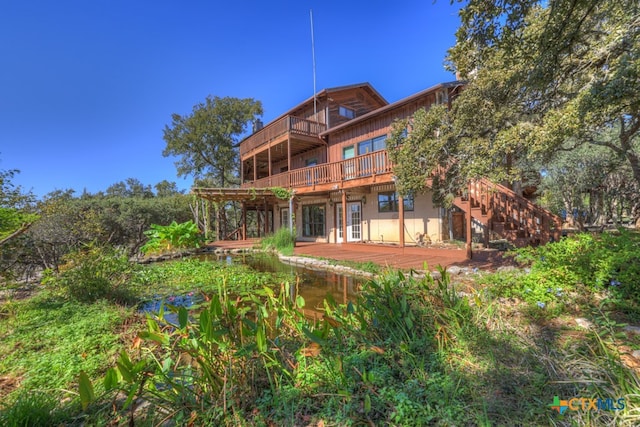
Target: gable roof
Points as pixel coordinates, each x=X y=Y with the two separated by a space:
x=394 y=105
x=328 y=91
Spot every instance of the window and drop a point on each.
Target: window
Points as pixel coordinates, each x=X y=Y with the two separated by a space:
x=365 y=147
x=442 y=97
x=349 y=167
x=311 y=162
x=346 y=112
x=388 y=202
x=379 y=143
x=375 y=144
x=284 y=218
x=313 y=217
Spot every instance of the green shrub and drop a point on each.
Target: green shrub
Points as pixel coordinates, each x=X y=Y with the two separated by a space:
x=617 y=264
x=92 y=273
x=605 y=261
x=166 y=238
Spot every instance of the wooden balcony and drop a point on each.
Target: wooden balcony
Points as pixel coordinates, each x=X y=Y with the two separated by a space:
x=274 y=130
x=362 y=170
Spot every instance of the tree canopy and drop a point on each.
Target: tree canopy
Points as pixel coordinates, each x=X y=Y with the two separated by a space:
x=542 y=78
x=15 y=207
x=206 y=141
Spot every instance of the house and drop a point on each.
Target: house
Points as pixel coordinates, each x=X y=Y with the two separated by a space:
x=329 y=153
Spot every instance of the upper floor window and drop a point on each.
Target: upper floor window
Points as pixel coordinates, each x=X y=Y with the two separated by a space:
x=346 y=112
x=348 y=152
x=375 y=144
x=442 y=97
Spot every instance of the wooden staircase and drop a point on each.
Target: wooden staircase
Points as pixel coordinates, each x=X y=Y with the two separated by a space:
x=500 y=213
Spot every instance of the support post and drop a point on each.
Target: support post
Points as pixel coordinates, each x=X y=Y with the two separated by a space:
x=266 y=218
x=244 y=221
x=269 y=161
x=255 y=168
x=289 y=154
x=469 y=241
x=401 y=219
x=293 y=232
x=344 y=216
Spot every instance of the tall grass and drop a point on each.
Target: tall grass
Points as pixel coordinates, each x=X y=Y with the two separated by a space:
x=282 y=241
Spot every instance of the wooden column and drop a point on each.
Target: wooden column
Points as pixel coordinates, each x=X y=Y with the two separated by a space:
x=289 y=154
x=269 y=159
x=401 y=219
x=468 y=233
x=266 y=218
x=344 y=216
x=489 y=226
x=255 y=168
x=258 y=227
x=244 y=221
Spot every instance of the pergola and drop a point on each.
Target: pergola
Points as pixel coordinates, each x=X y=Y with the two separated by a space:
x=256 y=199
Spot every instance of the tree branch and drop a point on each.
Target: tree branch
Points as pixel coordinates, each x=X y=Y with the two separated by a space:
x=16 y=233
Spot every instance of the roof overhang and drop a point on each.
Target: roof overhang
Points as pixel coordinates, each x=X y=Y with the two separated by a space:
x=246 y=195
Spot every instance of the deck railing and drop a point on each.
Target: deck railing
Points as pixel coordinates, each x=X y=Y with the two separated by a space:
x=503 y=206
x=367 y=165
x=493 y=203
x=294 y=125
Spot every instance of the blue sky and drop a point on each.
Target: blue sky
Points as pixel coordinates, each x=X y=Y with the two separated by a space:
x=87 y=87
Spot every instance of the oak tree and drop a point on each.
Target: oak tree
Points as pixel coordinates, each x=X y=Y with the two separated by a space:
x=206 y=141
x=542 y=77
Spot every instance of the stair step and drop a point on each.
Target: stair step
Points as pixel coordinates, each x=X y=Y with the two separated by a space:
x=508 y=216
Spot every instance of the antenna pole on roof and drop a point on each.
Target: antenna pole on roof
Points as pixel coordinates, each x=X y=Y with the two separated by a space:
x=313 y=56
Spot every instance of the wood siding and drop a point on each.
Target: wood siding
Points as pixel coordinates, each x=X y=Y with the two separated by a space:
x=377 y=125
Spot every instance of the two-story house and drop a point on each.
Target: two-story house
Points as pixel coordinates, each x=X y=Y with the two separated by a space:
x=330 y=152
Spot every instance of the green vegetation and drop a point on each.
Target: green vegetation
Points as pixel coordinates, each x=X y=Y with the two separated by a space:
x=281 y=193
x=167 y=238
x=551 y=89
x=91 y=274
x=47 y=340
x=282 y=241
x=408 y=351
x=585 y=264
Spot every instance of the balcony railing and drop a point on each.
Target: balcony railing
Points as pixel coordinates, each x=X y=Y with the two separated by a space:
x=294 y=125
x=367 y=165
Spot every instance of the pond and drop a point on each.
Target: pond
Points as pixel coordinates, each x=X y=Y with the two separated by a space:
x=313 y=285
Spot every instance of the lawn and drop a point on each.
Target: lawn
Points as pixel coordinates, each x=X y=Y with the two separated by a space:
x=547 y=344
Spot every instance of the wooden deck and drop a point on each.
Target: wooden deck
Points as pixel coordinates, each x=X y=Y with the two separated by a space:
x=367 y=169
x=388 y=255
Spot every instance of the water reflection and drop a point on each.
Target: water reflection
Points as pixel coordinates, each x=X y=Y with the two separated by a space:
x=187 y=300
x=312 y=285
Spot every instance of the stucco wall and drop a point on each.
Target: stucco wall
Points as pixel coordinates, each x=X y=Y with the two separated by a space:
x=385 y=226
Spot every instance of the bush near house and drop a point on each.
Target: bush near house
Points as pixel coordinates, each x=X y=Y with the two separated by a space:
x=167 y=238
